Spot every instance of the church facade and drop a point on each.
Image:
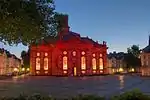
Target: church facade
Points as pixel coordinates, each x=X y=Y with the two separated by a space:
x=70 y=55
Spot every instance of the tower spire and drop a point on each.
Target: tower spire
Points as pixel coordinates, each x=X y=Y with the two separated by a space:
x=149 y=40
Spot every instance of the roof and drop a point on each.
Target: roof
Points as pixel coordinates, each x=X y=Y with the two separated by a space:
x=118 y=56
x=147 y=48
x=70 y=35
x=66 y=37
x=2 y=50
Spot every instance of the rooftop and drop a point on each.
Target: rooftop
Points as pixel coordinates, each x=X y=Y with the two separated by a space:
x=147 y=48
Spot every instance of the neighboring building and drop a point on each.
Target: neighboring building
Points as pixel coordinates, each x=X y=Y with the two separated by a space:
x=145 y=60
x=9 y=63
x=115 y=62
x=70 y=55
x=3 y=62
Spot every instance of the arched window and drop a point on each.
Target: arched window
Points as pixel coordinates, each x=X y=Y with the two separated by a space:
x=94 y=55
x=46 y=54
x=65 y=52
x=38 y=63
x=94 y=63
x=45 y=63
x=83 y=63
x=74 y=53
x=83 y=53
x=100 y=55
x=101 y=63
x=38 y=54
x=65 y=61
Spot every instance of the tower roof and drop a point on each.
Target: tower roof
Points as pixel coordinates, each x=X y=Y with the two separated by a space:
x=147 y=48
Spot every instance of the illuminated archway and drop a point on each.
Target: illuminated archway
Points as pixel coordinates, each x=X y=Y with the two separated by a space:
x=101 y=65
x=45 y=63
x=38 y=64
x=94 y=63
x=65 y=61
x=83 y=63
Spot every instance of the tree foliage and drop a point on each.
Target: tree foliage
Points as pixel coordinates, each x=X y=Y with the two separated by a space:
x=134 y=50
x=27 y=21
x=26 y=58
x=132 y=57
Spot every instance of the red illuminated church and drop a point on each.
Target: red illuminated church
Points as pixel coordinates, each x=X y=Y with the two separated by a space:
x=70 y=55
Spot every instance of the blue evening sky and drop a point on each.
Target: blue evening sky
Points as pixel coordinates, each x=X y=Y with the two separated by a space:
x=120 y=23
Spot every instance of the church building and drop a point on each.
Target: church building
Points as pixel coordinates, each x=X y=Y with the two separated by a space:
x=70 y=55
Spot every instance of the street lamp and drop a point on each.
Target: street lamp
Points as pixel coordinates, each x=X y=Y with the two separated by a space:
x=15 y=69
x=28 y=69
x=23 y=69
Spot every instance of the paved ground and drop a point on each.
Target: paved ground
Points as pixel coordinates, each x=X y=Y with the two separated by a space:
x=70 y=86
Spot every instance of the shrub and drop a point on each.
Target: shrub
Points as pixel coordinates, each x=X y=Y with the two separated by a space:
x=131 y=95
x=88 y=97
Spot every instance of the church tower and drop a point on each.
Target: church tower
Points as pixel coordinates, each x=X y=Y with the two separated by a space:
x=63 y=24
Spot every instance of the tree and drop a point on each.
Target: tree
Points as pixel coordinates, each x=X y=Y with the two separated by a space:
x=132 y=57
x=26 y=58
x=27 y=21
x=134 y=50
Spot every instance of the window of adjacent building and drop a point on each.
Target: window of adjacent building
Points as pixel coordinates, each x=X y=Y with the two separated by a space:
x=94 y=63
x=147 y=63
x=74 y=53
x=37 y=63
x=65 y=52
x=100 y=63
x=45 y=63
x=83 y=63
x=38 y=54
x=65 y=61
x=144 y=57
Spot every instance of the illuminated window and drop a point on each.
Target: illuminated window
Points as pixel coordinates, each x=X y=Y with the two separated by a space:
x=65 y=67
x=46 y=54
x=83 y=63
x=83 y=72
x=94 y=64
x=83 y=53
x=65 y=52
x=74 y=53
x=37 y=63
x=45 y=63
x=65 y=72
x=94 y=71
x=93 y=55
x=100 y=55
x=37 y=72
x=46 y=72
x=101 y=63
x=38 y=54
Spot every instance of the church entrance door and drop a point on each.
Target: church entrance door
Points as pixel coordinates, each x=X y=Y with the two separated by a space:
x=74 y=71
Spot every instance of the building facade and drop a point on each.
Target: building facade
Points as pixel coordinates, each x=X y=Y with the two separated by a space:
x=116 y=62
x=145 y=60
x=70 y=55
x=3 y=63
x=9 y=63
